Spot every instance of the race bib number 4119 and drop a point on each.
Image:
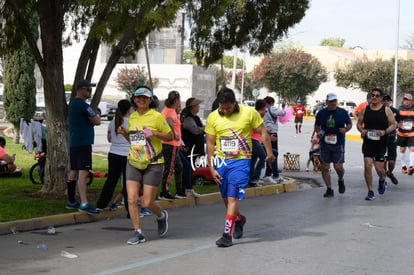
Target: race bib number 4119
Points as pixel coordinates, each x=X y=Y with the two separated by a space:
x=229 y=145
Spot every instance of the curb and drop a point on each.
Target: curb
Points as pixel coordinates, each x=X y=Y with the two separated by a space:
x=80 y=217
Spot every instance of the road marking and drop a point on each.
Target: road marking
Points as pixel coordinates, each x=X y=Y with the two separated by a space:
x=174 y=255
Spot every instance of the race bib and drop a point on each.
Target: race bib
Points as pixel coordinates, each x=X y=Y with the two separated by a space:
x=407 y=124
x=372 y=135
x=229 y=145
x=299 y=111
x=330 y=139
x=137 y=138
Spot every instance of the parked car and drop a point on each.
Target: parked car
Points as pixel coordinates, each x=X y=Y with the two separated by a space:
x=349 y=106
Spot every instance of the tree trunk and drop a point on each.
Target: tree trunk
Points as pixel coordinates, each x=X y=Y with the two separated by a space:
x=16 y=135
x=56 y=168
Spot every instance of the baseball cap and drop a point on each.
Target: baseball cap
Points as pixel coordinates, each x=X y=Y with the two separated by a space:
x=192 y=101
x=143 y=91
x=386 y=97
x=84 y=83
x=408 y=96
x=299 y=101
x=331 y=97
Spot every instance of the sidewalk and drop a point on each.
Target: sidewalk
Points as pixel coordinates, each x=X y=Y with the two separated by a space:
x=81 y=217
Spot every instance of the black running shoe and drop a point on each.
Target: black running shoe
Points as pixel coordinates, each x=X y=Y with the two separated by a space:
x=393 y=178
x=163 y=223
x=329 y=193
x=224 y=241
x=238 y=227
x=341 y=186
x=166 y=197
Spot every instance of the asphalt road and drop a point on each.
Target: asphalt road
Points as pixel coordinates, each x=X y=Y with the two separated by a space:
x=290 y=233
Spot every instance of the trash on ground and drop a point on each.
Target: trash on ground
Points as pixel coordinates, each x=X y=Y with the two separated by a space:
x=68 y=255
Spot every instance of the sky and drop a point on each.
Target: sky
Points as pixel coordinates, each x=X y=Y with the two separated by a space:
x=369 y=24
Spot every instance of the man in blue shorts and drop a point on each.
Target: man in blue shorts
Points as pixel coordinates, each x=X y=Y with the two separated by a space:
x=332 y=123
x=82 y=119
x=229 y=128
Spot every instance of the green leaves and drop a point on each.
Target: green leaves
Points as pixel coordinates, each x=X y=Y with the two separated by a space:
x=368 y=74
x=256 y=25
x=291 y=74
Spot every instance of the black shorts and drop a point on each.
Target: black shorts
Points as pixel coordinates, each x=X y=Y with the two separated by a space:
x=298 y=119
x=391 y=153
x=81 y=158
x=405 y=141
x=374 y=149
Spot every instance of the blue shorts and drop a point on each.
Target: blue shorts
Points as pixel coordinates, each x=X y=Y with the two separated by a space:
x=332 y=153
x=235 y=177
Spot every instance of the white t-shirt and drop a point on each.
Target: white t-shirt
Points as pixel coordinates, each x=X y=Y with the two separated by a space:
x=119 y=145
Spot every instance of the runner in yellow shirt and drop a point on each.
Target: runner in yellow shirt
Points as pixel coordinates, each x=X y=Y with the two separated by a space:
x=147 y=128
x=228 y=131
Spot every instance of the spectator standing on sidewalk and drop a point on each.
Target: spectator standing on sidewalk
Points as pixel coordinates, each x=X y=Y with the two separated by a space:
x=270 y=122
x=299 y=111
x=391 y=153
x=170 y=149
x=228 y=131
x=258 y=152
x=82 y=119
x=192 y=130
x=146 y=129
x=405 y=133
x=375 y=122
x=331 y=124
x=117 y=157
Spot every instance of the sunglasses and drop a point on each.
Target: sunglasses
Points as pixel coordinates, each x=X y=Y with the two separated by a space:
x=375 y=95
x=88 y=89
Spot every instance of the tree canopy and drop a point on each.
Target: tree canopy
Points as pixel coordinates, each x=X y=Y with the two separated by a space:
x=123 y=25
x=217 y=26
x=333 y=42
x=369 y=74
x=291 y=74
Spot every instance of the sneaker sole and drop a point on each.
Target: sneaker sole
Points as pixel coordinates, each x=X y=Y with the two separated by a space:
x=139 y=241
x=223 y=245
x=87 y=212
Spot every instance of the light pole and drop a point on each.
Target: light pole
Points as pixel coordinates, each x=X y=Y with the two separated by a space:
x=242 y=80
x=394 y=99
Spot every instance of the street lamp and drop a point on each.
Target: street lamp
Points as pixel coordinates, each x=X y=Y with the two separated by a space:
x=242 y=80
x=394 y=99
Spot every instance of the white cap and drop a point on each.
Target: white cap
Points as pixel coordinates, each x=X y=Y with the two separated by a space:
x=331 y=97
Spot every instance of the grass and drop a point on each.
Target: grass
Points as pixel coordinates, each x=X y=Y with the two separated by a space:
x=20 y=199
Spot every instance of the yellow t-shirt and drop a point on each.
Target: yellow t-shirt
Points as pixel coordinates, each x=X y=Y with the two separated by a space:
x=233 y=137
x=142 y=149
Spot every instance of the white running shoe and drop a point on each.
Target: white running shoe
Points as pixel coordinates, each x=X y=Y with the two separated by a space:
x=269 y=179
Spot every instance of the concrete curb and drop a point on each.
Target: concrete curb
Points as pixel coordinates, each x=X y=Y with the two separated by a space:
x=81 y=217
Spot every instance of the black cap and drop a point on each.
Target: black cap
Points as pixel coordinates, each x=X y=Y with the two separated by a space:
x=386 y=97
x=84 y=84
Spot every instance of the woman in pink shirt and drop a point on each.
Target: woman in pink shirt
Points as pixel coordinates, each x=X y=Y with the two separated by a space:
x=170 y=150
